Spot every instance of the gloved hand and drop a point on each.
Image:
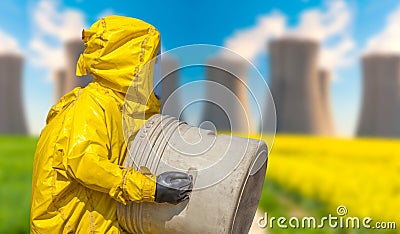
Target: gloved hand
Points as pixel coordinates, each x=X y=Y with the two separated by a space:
x=173 y=187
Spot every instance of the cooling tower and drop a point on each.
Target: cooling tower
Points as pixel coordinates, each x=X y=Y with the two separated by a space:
x=226 y=104
x=380 y=111
x=12 y=118
x=170 y=103
x=324 y=79
x=59 y=83
x=294 y=85
x=73 y=50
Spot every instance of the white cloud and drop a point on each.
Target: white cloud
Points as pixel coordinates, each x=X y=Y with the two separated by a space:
x=8 y=44
x=63 y=25
x=251 y=41
x=321 y=25
x=45 y=55
x=53 y=27
x=330 y=27
x=338 y=55
x=388 y=40
x=106 y=12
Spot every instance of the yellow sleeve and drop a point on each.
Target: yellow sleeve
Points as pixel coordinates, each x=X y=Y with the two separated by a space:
x=88 y=156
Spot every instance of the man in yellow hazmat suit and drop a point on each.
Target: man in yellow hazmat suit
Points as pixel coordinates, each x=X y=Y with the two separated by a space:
x=78 y=176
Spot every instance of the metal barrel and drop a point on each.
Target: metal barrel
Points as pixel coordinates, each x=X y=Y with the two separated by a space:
x=228 y=176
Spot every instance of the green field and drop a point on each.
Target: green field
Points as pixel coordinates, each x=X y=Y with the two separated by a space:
x=16 y=158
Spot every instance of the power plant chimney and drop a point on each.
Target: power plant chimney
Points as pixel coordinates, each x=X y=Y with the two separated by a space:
x=73 y=50
x=294 y=85
x=324 y=79
x=227 y=104
x=170 y=104
x=380 y=111
x=59 y=83
x=12 y=116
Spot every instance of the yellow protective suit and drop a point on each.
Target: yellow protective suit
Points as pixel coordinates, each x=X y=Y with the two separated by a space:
x=78 y=176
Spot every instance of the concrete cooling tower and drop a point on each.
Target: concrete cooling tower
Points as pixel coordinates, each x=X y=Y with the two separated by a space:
x=59 y=83
x=324 y=79
x=12 y=117
x=73 y=50
x=170 y=101
x=226 y=104
x=380 y=111
x=294 y=85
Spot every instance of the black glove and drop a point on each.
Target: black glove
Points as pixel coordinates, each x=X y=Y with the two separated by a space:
x=173 y=187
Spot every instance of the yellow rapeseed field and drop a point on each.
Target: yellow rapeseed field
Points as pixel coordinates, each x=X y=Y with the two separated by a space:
x=361 y=174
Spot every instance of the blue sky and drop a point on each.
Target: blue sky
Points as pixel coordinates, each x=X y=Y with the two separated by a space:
x=346 y=30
